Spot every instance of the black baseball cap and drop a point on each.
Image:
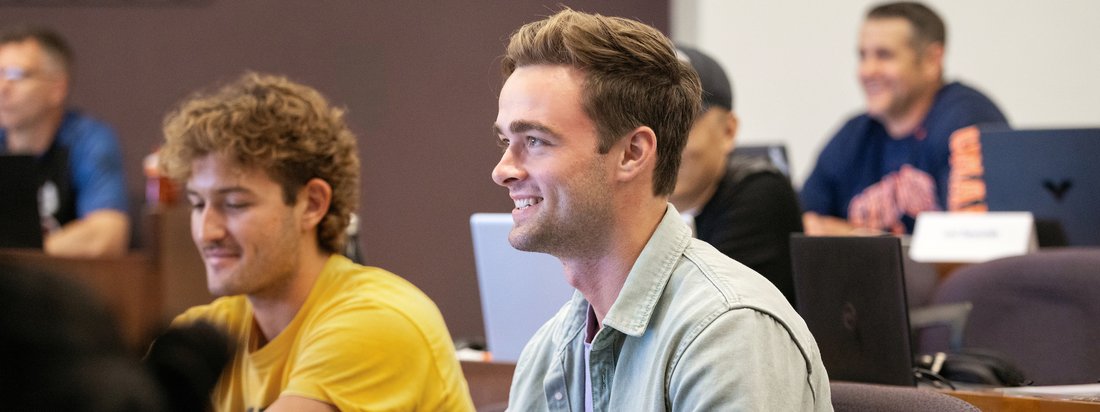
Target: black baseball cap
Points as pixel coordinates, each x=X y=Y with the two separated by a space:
x=717 y=90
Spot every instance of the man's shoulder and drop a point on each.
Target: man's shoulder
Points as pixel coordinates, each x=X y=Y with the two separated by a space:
x=750 y=183
x=856 y=126
x=732 y=290
x=82 y=131
x=363 y=297
x=229 y=312
x=349 y=282
x=957 y=106
x=960 y=103
x=367 y=321
x=724 y=307
x=711 y=276
x=958 y=91
x=741 y=168
x=78 y=121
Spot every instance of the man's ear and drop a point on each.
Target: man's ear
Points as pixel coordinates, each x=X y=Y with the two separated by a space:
x=639 y=153
x=729 y=132
x=317 y=195
x=59 y=91
x=932 y=58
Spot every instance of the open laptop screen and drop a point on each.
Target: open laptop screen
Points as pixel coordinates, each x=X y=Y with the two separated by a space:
x=520 y=291
x=20 y=225
x=1054 y=174
x=851 y=293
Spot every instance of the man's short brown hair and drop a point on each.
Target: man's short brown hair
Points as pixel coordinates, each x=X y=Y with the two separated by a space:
x=632 y=79
x=51 y=42
x=270 y=123
x=927 y=26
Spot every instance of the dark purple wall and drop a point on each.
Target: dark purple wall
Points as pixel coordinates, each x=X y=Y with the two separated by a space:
x=419 y=79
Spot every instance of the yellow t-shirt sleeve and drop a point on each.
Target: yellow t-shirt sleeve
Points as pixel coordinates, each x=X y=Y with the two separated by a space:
x=373 y=358
x=227 y=313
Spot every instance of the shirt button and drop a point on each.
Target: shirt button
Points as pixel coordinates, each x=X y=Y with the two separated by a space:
x=558 y=396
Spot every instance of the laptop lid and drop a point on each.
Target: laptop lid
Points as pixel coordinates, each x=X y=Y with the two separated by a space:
x=776 y=154
x=1054 y=174
x=851 y=293
x=20 y=225
x=520 y=291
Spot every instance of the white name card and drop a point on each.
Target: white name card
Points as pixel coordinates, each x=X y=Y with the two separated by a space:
x=965 y=237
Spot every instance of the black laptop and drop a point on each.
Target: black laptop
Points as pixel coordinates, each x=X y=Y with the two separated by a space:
x=1054 y=174
x=20 y=225
x=851 y=293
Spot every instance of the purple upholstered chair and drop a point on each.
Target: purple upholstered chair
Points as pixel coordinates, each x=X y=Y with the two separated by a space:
x=864 y=397
x=1041 y=311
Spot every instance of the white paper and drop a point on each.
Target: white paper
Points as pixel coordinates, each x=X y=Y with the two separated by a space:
x=965 y=237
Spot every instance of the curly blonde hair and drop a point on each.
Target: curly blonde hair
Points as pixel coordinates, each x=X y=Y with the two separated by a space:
x=281 y=127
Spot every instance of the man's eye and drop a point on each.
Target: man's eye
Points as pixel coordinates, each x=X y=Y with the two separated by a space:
x=533 y=141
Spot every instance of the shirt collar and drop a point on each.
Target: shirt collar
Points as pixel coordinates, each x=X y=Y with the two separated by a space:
x=633 y=308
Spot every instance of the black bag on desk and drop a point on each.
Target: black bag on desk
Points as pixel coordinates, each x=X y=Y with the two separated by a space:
x=972 y=366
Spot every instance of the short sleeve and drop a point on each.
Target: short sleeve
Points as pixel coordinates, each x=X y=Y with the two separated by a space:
x=96 y=161
x=362 y=359
x=820 y=192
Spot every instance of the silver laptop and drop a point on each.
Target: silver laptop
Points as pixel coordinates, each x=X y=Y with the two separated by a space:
x=519 y=290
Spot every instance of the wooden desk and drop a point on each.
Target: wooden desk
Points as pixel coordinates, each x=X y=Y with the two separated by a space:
x=128 y=285
x=489 y=383
x=144 y=289
x=944 y=270
x=992 y=401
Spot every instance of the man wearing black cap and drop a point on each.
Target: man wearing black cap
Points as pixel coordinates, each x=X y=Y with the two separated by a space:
x=743 y=206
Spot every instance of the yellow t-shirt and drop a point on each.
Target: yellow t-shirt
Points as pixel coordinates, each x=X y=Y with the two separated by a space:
x=365 y=340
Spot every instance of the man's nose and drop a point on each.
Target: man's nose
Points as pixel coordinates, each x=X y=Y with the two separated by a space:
x=207 y=225
x=868 y=67
x=508 y=169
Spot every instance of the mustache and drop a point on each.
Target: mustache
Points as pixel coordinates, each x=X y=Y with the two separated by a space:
x=219 y=247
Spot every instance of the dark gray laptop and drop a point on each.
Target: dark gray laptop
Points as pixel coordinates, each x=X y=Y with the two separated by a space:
x=20 y=225
x=1054 y=174
x=851 y=292
x=775 y=153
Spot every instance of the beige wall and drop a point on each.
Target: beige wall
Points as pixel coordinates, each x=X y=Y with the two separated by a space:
x=419 y=79
x=793 y=62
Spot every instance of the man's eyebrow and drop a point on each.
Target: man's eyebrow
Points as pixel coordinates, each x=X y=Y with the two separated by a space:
x=223 y=190
x=521 y=126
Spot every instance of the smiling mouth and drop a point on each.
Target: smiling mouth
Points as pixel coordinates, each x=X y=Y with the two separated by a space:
x=219 y=253
x=527 y=202
x=874 y=86
x=219 y=261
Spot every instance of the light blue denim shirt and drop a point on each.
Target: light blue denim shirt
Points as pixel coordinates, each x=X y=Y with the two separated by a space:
x=691 y=330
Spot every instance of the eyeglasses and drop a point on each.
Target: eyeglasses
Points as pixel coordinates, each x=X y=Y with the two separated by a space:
x=14 y=74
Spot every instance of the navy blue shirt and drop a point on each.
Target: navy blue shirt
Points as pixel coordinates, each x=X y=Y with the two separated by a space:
x=862 y=156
